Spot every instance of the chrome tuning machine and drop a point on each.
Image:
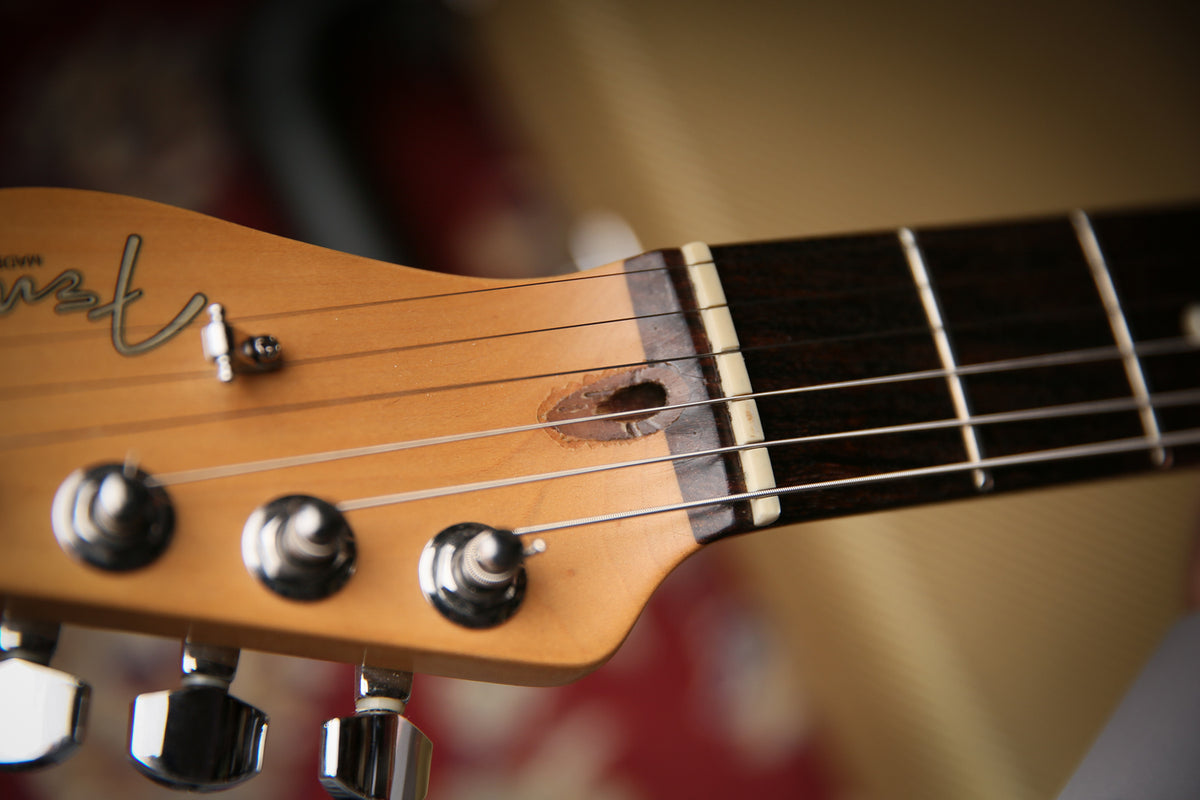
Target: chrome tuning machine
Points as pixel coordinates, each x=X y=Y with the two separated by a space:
x=376 y=754
x=475 y=574
x=112 y=516
x=300 y=547
x=44 y=709
x=198 y=737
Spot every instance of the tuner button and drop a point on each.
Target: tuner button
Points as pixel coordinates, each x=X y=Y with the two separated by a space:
x=475 y=574
x=198 y=737
x=45 y=710
x=377 y=754
x=112 y=516
x=299 y=546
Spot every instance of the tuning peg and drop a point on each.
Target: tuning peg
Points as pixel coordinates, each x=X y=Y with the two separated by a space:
x=474 y=574
x=45 y=710
x=198 y=737
x=364 y=756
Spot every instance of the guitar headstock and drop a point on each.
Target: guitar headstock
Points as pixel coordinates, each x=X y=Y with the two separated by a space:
x=403 y=403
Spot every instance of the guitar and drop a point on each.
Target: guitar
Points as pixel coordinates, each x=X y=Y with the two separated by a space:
x=416 y=401
x=250 y=407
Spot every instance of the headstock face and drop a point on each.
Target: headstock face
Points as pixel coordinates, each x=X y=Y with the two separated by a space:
x=101 y=362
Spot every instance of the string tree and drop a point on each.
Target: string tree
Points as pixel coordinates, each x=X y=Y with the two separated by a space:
x=233 y=352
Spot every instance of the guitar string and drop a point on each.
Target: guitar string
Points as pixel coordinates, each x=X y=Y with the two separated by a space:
x=589 y=276
x=549 y=281
x=150 y=424
x=1070 y=357
x=1183 y=397
x=101 y=383
x=65 y=387
x=62 y=387
x=1181 y=438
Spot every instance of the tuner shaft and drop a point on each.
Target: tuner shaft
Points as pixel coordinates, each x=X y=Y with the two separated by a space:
x=376 y=754
x=198 y=737
x=44 y=709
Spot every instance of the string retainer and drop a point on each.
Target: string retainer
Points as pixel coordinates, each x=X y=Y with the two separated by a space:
x=235 y=353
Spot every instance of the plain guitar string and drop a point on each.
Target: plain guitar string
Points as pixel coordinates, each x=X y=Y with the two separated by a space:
x=100 y=383
x=62 y=387
x=1110 y=447
x=45 y=437
x=366 y=303
x=1183 y=397
x=59 y=435
x=1152 y=348
x=1157 y=347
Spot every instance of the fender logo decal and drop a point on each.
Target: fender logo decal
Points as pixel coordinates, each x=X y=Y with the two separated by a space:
x=68 y=290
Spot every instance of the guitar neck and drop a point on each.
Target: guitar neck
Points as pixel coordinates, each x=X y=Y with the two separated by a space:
x=925 y=365
x=615 y=421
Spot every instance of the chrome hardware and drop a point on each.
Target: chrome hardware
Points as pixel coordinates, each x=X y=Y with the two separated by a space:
x=44 y=710
x=251 y=354
x=112 y=516
x=198 y=737
x=365 y=756
x=474 y=574
x=299 y=546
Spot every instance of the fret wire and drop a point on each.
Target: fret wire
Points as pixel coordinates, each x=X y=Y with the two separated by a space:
x=1114 y=405
x=1114 y=446
x=1120 y=329
x=941 y=340
x=1156 y=347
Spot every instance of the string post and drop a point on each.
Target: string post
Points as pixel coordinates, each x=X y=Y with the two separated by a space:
x=112 y=516
x=300 y=547
x=474 y=574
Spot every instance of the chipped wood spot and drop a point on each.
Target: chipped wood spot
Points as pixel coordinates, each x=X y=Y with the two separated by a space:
x=648 y=393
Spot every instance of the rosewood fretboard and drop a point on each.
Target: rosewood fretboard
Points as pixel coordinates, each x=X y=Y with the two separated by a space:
x=848 y=309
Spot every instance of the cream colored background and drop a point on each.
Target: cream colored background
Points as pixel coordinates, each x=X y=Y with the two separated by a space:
x=969 y=650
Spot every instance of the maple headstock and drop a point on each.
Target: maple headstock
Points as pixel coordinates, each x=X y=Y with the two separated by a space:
x=388 y=377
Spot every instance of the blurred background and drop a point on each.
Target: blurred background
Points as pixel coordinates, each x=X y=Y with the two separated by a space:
x=961 y=651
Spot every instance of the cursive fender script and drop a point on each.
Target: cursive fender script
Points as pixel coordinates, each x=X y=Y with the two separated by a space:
x=67 y=288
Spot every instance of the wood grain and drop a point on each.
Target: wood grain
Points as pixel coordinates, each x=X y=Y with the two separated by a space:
x=374 y=353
